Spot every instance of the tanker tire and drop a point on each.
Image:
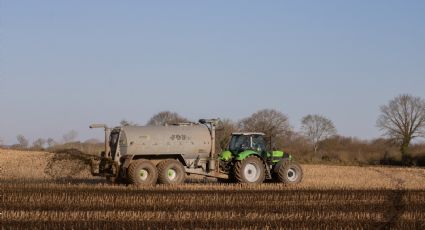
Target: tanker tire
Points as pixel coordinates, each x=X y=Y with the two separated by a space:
x=289 y=172
x=250 y=171
x=142 y=172
x=171 y=172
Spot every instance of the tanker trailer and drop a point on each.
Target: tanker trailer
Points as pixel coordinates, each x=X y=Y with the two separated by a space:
x=145 y=155
x=164 y=154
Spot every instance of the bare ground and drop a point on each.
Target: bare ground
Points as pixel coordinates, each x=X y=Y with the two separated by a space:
x=61 y=195
x=53 y=166
x=29 y=165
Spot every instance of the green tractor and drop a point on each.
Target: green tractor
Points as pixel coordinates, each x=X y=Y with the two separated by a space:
x=248 y=160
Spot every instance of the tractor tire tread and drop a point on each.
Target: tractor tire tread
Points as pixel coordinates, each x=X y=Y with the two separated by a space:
x=238 y=172
x=281 y=172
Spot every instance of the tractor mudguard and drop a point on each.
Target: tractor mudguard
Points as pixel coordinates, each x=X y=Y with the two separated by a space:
x=226 y=156
x=287 y=157
x=241 y=156
x=279 y=155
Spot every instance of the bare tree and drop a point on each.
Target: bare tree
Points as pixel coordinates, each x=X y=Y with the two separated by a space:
x=70 y=136
x=268 y=121
x=51 y=142
x=317 y=128
x=224 y=131
x=166 y=117
x=22 y=141
x=125 y=122
x=39 y=143
x=403 y=119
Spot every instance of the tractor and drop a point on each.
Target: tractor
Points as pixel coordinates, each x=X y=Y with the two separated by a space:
x=247 y=160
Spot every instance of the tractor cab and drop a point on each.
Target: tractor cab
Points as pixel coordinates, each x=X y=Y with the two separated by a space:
x=247 y=141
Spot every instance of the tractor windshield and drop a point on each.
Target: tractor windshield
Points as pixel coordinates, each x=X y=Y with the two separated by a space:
x=240 y=142
x=243 y=142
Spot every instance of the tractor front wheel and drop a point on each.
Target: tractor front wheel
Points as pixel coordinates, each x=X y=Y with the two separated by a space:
x=289 y=172
x=250 y=171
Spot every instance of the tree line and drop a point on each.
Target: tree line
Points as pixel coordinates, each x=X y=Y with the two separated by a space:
x=401 y=121
x=41 y=143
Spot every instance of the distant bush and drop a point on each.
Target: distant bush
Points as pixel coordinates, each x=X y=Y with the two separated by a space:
x=91 y=148
x=353 y=151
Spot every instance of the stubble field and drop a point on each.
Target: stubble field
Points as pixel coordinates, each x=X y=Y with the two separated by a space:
x=48 y=191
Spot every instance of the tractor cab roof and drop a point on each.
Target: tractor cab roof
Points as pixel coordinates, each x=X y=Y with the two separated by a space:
x=248 y=134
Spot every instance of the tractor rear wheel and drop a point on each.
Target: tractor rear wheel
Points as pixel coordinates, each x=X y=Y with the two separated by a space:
x=142 y=172
x=171 y=172
x=250 y=170
x=289 y=172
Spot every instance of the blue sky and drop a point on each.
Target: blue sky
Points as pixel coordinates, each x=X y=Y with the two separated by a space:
x=66 y=64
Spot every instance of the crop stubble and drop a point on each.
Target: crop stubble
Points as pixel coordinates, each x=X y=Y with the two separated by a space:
x=45 y=205
x=330 y=197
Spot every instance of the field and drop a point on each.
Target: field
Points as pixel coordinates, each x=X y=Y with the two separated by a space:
x=55 y=191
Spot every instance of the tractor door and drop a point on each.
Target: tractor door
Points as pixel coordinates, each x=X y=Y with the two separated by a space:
x=258 y=144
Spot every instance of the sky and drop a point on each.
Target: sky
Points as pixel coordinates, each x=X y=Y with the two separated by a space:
x=67 y=64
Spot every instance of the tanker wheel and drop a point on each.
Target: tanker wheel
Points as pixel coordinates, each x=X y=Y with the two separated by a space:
x=250 y=170
x=289 y=172
x=171 y=172
x=142 y=172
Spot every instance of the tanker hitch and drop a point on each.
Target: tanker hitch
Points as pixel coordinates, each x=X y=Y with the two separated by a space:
x=103 y=167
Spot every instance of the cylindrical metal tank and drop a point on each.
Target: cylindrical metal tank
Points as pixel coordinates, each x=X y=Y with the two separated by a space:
x=188 y=140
